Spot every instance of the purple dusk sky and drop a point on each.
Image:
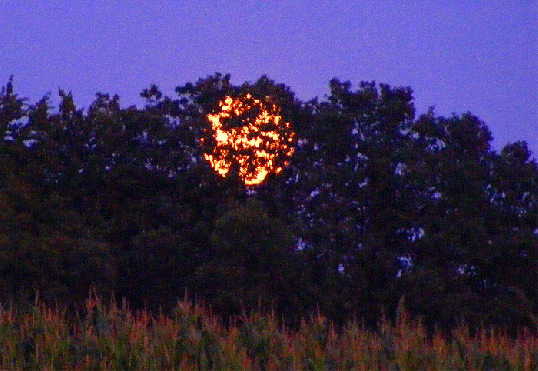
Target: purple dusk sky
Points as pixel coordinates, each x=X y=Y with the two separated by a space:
x=478 y=55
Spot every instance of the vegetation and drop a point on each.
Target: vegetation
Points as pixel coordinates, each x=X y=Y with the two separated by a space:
x=374 y=205
x=109 y=337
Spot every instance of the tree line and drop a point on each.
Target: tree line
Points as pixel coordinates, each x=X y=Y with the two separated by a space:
x=376 y=206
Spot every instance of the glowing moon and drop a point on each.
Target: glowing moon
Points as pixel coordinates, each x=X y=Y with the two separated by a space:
x=251 y=135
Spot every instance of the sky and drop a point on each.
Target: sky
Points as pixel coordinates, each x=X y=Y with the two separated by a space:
x=478 y=56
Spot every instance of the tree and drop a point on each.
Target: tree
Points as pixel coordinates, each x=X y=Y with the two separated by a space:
x=461 y=223
x=250 y=261
x=373 y=204
x=349 y=195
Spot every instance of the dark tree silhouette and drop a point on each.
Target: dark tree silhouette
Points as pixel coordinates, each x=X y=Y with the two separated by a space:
x=374 y=205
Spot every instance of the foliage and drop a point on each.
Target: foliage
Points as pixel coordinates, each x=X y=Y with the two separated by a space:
x=375 y=204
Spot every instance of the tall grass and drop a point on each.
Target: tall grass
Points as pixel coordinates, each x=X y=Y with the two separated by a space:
x=112 y=337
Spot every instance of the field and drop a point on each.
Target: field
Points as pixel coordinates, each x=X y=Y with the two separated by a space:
x=110 y=336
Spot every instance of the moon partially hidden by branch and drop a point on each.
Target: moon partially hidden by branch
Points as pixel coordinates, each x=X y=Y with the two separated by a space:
x=250 y=134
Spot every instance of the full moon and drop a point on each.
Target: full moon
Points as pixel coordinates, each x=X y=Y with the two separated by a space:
x=251 y=135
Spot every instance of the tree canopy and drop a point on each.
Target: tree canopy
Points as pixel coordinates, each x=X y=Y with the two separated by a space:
x=363 y=203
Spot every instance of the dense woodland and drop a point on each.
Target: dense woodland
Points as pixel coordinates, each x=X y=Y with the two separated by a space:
x=376 y=207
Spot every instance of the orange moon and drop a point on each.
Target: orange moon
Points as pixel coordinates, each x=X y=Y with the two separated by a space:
x=256 y=145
